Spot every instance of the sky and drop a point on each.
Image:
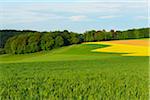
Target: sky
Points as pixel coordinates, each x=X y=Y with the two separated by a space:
x=77 y=16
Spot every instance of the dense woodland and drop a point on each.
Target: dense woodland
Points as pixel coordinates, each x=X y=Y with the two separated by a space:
x=27 y=41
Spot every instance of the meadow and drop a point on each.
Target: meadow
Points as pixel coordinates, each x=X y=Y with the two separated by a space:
x=74 y=73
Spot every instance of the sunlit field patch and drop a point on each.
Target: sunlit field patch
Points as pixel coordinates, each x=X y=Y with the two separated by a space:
x=126 y=47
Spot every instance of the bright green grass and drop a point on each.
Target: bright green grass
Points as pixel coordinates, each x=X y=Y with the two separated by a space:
x=74 y=52
x=73 y=73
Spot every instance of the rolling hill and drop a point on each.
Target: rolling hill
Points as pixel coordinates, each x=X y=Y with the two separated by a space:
x=74 y=72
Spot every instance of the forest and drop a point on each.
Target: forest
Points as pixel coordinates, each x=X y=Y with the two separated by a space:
x=28 y=41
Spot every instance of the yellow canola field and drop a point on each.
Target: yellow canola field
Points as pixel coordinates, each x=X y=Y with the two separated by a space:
x=127 y=49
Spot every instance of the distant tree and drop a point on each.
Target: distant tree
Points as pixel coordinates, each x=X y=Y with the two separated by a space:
x=6 y=34
x=89 y=36
x=7 y=47
x=108 y=36
x=124 y=35
x=131 y=34
x=81 y=38
x=114 y=35
x=74 y=38
x=99 y=35
x=11 y=45
x=21 y=43
x=104 y=30
x=141 y=33
x=47 y=41
x=33 y=43
x=136 y=34
x=66 y=36
x=146 y=32
x=59 y=41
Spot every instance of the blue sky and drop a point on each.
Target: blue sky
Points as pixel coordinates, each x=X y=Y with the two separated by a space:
x=78 y=16
x=73 y=0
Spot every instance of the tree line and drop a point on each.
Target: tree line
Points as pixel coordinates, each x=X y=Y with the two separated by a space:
x=27 y=41
x=36 y=41
x=93 y=35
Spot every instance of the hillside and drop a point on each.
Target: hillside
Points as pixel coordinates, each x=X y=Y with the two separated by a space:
x=74 y=72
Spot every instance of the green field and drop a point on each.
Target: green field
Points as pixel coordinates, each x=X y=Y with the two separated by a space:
x=73 y=72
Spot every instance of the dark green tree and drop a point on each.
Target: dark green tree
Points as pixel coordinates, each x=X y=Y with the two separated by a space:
x=59 y=41
x=33 y=43
x=99 y=35
x=11 y=45
x=47 y=41
x=89 y=36
x=74 y=38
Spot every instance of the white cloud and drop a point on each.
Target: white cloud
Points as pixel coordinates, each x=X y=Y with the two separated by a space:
x=35 y=11
x=108 y=17
x=82 y=7
x=25 y=14
x=27 y=17
x=78 y=18
x=85 y=7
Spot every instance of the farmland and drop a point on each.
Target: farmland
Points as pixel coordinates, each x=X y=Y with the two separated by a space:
x=127 y=48
x=74 y=72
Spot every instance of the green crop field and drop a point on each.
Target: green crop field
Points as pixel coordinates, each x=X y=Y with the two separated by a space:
x=73 y=73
